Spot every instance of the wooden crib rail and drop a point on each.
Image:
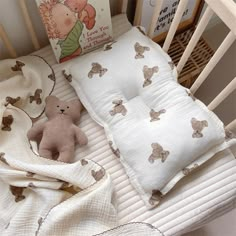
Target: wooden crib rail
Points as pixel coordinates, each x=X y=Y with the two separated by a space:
x=226 y=10
x=29 y=24
x=223 y=95
x=195 y=38
x=225 y=45
x=7 y=43
x=175 y=23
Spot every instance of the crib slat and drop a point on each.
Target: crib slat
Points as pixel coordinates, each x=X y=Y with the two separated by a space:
x=223 y=94
x=177 y=18
x=196 y=36
x=225 y=45
x=29 y=24
x=6 y=41
x=226 y=10
x=138 y=13
x=231 y=125
x=124 y=6
x=155 y=17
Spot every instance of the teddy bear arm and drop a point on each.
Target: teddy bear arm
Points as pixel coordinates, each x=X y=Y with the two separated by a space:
x=35 y=131
x=80 y=136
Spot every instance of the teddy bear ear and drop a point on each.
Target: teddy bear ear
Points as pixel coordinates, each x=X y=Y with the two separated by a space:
x=51 y=99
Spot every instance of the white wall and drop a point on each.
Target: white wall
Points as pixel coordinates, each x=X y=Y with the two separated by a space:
x=13 y=22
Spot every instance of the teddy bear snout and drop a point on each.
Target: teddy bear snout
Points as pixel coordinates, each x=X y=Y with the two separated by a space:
x=62 y=110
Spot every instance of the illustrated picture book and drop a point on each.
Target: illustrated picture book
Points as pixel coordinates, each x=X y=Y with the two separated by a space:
x=75 y=27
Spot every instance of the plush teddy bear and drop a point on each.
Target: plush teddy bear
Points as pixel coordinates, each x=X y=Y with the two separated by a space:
x=59 y=133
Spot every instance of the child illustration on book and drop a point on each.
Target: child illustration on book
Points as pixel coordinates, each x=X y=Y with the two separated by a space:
x=64 y=21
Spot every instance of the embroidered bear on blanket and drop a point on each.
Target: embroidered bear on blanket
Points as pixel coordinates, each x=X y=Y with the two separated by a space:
x=17 y=192
x=59 y=134
x=155 y=115
x=7 y=122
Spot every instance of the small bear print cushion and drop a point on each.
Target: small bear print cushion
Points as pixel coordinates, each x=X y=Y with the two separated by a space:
x=159 y=131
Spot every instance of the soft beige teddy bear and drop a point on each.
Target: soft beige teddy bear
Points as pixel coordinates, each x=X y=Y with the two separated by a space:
x=59 y=133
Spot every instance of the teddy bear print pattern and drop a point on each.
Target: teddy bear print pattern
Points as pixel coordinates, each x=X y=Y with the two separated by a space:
x=18 y=66
x=96 y=69
x=140 y=50
x=148 y=73
x=155 y=115
x=118 y=108
x=36 y=97
x=11 y=100
x=198 y=126
x=155 y=197
x=19 y=193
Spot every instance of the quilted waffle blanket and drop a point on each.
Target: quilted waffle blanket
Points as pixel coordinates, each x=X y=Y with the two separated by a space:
x=41 y=196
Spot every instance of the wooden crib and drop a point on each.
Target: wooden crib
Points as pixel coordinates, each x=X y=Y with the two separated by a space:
x=174 y=217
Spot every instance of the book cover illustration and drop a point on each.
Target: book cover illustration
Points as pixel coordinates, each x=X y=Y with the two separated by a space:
x=75 y=27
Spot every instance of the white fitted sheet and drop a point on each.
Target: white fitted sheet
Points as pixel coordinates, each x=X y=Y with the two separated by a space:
x=196 y=200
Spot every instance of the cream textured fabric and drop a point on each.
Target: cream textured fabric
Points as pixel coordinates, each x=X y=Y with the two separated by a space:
x=198 y=199
x=41 y=196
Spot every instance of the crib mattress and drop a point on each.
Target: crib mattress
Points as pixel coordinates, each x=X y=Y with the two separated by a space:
x=196 y=200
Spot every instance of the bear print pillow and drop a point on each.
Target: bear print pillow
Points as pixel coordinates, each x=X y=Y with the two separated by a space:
x=160 y=132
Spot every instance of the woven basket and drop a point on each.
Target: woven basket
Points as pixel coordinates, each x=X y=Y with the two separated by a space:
x=200 y=56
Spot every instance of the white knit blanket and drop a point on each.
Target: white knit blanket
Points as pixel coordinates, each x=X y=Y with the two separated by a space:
x=39 y=196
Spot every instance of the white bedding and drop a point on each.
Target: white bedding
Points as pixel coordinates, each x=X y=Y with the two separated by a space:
x=196 y=200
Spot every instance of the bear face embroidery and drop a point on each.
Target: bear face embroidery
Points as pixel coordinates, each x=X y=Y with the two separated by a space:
x=97 y=69
x=98 y=175
x=187 y=171
x=7 y=122
x=140 y=50
x=148 y=73
x=155 y=198
x=155 y=115
x=66 y=76
x=18 y=66
x=115 y=151
x=52 y=77
x=158 y=153
x=12 y=101
x=190 y=95
x=2 y=158
x=17 y=192
x=198 y=127
x=118 y=108
x=36 y=97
